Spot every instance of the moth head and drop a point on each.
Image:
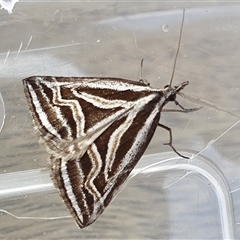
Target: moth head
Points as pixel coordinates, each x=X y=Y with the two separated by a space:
x=172 y=91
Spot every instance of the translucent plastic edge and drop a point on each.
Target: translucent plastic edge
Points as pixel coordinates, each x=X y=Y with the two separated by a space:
x=38 y=180
x=2 y=108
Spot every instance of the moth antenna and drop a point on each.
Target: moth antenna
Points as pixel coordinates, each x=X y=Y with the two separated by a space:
x=178 y=47
x=141 y=76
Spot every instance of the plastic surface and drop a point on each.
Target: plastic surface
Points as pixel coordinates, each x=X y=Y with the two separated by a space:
x=37 y=181
x=2 y=112
x=110 y=39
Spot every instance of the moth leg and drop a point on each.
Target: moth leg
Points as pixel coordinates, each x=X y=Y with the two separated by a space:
x=170 y=140
x=184 y=109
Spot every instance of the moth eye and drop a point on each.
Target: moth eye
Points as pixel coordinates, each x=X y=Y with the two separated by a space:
x=172 y=97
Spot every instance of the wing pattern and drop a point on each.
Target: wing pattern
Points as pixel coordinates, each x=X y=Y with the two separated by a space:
x=96 y=130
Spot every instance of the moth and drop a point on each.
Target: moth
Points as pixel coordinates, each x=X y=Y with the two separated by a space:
x=95 y=130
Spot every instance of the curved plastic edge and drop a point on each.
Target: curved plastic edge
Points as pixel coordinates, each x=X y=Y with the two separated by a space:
x=38 y=180
x=2 y=112
x=206 y=169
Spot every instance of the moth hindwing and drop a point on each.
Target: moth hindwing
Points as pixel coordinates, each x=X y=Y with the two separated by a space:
x=96 y=130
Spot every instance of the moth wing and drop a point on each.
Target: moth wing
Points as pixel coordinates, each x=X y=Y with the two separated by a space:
x=66 y=117
x=89 y=183
x=96 y=130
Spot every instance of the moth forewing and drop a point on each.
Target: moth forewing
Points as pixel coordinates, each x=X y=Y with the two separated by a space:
x=58 y=115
